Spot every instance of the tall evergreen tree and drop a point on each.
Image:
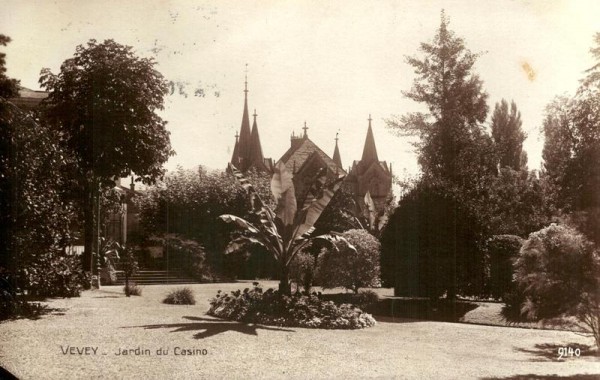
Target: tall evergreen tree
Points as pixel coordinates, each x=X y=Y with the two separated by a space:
x=439 y=220
x=508 y=136
x=453 y=144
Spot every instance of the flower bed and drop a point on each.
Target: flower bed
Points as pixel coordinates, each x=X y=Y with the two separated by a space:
x=271 y=308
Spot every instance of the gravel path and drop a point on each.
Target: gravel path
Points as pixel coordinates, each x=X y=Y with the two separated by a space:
x=107 y=321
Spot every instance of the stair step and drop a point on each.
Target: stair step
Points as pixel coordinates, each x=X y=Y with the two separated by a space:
x=156 y=277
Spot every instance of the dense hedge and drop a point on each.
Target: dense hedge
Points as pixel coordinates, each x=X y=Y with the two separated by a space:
x=431 y=245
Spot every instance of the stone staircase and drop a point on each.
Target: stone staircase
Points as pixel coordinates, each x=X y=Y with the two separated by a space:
x=156 y=277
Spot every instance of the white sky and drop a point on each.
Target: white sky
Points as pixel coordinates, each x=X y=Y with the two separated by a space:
x=329 y=64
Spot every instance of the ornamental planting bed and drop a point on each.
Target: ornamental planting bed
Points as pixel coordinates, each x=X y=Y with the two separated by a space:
x=105 y=320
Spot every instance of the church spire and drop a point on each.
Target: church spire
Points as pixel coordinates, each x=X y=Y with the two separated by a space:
x=235 y=158
x=255 y=153
x=245 y=135
x=369 y=151
x=336 y=153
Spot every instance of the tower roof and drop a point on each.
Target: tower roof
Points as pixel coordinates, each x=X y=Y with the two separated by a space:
x=255 y=153
x=245 y=134
x=336 y=153
x=370 y=150
x=298 y=154
x=235 y=157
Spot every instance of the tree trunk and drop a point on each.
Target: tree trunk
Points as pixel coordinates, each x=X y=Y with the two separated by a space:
x=92 y=199
x=88 y=234
x=284 y=281
x=127 y=282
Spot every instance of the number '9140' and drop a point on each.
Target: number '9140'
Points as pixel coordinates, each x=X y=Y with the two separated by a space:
x=563 y=352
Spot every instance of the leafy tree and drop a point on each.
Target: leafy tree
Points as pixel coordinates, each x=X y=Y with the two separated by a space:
x=516 y=203
x=104 y=100
x=508 y=136
x=286 y=230
x=453 y=145
x=351 y=268
x=558 y=272
x=34 y=216
x=558 y=150
x=572 y=151
x=8 y=89
x=186 y=202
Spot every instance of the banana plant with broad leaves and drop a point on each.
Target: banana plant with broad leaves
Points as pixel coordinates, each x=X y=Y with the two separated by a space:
x=289 y=228
x=375 y=220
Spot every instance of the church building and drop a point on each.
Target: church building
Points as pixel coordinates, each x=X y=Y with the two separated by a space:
x=304 y=158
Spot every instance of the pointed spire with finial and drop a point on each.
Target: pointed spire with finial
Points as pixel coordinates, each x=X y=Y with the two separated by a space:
x=370 y=150
x=235 y=159
x=337 y=158
x=256 y=155
x=245 y=135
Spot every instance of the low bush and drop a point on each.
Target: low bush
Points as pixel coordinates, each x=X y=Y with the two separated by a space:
x=132 y=290
x=181 y=296
x=303 y=269
x=271 y=308
x=352 y=269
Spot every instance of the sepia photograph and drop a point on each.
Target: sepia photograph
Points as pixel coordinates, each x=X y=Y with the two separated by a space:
x=394 y=189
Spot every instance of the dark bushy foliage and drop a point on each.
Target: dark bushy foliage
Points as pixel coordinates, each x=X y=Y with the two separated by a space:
x=188 y=202
x=501 y=251
x=13 y=305
x=187 y=255
x=431 y=245
x=271 y=308
x=181 y=296
x=53 y=274
x=38 y=217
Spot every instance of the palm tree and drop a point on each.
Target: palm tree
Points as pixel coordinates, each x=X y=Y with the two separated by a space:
x=286 y=230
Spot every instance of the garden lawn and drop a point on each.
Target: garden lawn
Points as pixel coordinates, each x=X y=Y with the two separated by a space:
x=108 y=321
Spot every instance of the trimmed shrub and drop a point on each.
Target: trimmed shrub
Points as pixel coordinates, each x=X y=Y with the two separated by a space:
x=501 y=251
x=365 y=299
x=271 y=308
x=132 y=289
x=348 y=268
x=181 y=296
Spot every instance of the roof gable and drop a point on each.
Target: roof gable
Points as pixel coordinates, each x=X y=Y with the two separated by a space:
x=295 y=157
